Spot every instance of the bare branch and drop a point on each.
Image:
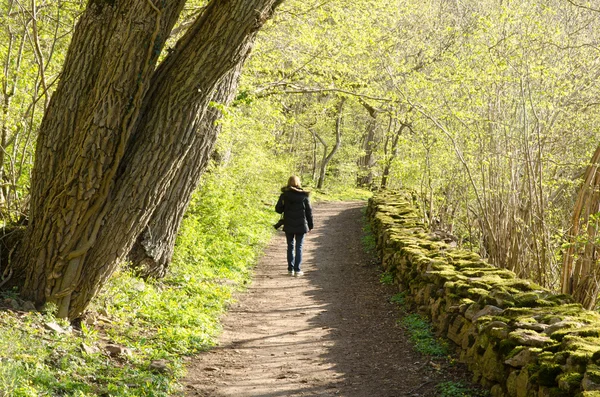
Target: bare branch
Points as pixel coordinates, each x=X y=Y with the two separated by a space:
x=583 y=6
x=300 y=90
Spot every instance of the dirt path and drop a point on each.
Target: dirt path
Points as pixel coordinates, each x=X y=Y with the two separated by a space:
x=332 y=332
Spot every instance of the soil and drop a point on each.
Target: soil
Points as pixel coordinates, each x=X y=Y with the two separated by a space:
x=331 y=332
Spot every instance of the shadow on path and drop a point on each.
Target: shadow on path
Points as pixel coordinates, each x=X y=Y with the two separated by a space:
x=332 y=332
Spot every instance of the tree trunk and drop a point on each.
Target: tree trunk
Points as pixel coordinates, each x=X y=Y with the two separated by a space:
x=338 y=143
x=117 y=132
x=151 y=254
x=392 y=156
x=366 y=162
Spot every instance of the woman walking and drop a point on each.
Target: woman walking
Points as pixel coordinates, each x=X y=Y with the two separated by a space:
x=295 y=206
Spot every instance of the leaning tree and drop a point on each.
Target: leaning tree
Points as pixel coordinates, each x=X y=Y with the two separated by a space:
x=119 y=129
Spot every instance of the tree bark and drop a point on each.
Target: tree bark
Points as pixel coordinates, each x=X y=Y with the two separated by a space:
x=151 y=254
x=392 y=156
x=366 y=162
x=338 y=142
x=117 y=132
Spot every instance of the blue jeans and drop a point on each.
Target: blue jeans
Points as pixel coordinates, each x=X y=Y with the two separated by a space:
x=294 y=256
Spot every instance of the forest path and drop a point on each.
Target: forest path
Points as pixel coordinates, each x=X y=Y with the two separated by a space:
x=332 y=332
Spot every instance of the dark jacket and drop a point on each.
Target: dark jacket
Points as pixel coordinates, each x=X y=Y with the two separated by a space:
x=295 y=206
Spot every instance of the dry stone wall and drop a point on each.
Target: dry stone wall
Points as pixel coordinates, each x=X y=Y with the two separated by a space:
x=519 y=339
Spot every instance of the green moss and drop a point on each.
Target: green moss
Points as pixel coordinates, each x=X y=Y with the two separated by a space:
x=590 y=394
x=583 y=345
x=477 y=293
x=593 y=373
x=556 y=392
x=545 y=356
x=592 y=332
x=545 y=303
x=561 y=299
x=513 y=352
x=580 y=358
x=570 y=382
x=508 y=346
x=520 y=285
x=527 y=299
x=519 y=313
x=553 y=347
x=546 y=376
x=561 y=357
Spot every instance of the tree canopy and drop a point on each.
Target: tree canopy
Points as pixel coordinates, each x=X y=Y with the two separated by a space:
x=486 y=109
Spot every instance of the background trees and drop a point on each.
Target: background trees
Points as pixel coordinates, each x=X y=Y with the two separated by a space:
x=487 y=110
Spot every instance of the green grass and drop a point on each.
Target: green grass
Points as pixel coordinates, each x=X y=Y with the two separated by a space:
x=386 y=278
x=422 y=337
x=225 y=229
x=459 y=389
x=340 y=193
x=399 y=299
x=167 y=319
x=368 y=238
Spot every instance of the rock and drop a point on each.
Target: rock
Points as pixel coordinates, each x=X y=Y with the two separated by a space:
x=90 y=320
x=104 y=319
x=89 y=349
x=502 y=298
x=488 y=310
x=554 y=320
x=499 y=333
x=211 y=369
x=497 y=391
x=116 y=350
x=52 y=326
x=12 y=303
x=527 y=337
x=491 y=367
x=498 y=329
x=160 y=366
x=522 y=358
x=455 y=328
x=523 y=385
x=511 y=383
x=591 y=379
x=496 y=324
x=472 y=310
x=565 y=324
x=570 y=382
x=28 y=306
x=532 y=326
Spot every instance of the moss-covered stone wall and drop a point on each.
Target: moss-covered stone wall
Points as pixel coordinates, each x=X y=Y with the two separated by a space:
x=519 y=339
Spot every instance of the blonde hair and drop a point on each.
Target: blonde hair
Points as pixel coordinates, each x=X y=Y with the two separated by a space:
x=294 y=181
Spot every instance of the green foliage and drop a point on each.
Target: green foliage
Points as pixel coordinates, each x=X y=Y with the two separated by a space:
x=422 y=337
x=459 y=389
x=368 y=238
x=340 y=193
x=500 y=103
x=386 y=278
x=400 y=299
x=33 y=44
x=225 y=228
